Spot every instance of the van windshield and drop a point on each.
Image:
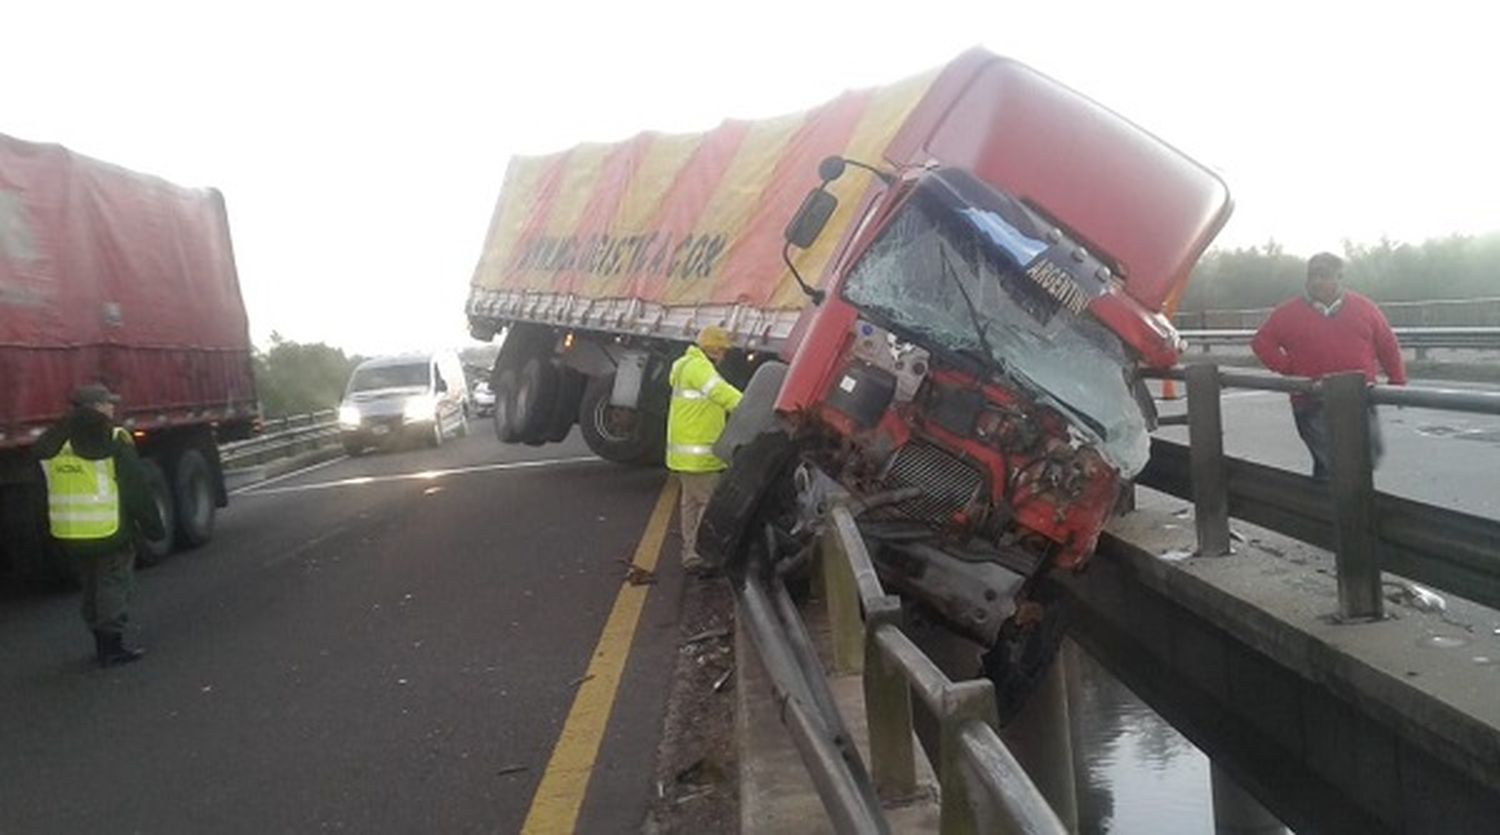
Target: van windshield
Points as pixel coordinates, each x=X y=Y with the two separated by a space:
x=943 y=253
x=389 y=377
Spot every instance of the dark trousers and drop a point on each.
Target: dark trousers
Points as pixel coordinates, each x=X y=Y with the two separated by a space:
x=108 y=582
x=1313 y=428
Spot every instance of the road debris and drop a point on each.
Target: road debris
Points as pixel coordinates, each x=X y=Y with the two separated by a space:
x=580 y=680
x=637 y=576
x=723 y=679
x=511 y=769
x=1410 y=594
x=699 y=726
x=707 y=636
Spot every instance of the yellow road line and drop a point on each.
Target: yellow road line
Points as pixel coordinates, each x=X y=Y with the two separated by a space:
x=554 y=808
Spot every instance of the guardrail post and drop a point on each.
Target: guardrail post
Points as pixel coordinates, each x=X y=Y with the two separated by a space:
x=1346 y=408
x=888 y=708
x=845 y=619
x=962 y=702
x=1210 y=475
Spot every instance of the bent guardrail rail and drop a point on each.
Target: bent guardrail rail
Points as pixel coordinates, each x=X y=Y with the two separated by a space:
x=282 y=437
x=982 y=786
x=1368 y=531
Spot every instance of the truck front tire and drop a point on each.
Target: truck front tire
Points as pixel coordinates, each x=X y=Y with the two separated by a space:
x=741 y=495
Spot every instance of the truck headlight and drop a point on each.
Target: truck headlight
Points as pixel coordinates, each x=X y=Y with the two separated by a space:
x=421 y=407
x=349 y=416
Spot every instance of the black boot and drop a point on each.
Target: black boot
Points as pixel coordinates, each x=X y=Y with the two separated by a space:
x=112 y=649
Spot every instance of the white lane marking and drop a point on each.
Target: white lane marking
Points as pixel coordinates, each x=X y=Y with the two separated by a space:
x=284 y=476
x=427 y=475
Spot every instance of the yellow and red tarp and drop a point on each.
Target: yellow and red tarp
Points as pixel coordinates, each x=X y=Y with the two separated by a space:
x=686 y=219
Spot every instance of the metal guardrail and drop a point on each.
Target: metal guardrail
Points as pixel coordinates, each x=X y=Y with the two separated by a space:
x=1422 y=338
x=983 y=787
x=282 y=437
x=1476 y=312
x=1367 y=530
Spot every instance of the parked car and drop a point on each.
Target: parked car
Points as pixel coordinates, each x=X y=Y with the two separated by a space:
x=412 y=397
x=484 y=399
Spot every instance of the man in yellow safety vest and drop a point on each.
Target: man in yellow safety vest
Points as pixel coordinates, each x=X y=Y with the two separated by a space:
x=97 y=497
x=701 y=401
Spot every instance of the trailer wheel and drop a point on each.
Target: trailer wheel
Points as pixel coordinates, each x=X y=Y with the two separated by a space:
x=153 y=551
x=614 y=434
x=25 y=541
x=570 y=386
x=504 y=387
x=536 y=390
x=193 y=492
x=740 y=497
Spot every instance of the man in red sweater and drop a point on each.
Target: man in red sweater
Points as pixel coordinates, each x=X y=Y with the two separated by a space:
x=1328 y=331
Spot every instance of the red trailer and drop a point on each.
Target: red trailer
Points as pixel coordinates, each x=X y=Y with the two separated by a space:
x=111 y=276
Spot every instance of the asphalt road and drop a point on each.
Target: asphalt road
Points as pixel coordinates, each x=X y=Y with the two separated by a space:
x=1443 y=458
x=383 y=644
x=393 y=643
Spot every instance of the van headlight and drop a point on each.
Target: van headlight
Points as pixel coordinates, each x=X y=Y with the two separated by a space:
x=349 y=416
x=419 y=408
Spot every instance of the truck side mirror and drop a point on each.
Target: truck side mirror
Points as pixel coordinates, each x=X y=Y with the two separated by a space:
x=831 y=168
x=810 y=218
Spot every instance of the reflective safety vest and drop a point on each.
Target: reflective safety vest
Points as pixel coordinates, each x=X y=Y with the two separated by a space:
x=700 y=401
x=83 y=496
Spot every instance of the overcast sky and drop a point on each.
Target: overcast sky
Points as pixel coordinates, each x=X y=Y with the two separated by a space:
x=360 y=146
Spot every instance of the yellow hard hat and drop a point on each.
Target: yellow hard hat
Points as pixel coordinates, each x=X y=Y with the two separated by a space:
x=714 y=338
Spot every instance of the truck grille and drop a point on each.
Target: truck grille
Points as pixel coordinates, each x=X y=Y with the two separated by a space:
x=948 y=484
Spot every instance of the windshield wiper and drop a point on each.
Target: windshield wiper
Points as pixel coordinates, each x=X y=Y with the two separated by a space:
x=979 y=327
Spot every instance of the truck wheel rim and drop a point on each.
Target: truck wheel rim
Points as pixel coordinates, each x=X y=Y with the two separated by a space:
x=607 y=420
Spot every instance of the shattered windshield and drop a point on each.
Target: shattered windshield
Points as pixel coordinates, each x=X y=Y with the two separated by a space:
x=957 y=273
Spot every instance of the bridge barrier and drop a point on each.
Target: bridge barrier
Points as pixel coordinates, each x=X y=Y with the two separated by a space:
x=1368 y=531
x=1478 y=312
x=1481 y=338
x=983 y=787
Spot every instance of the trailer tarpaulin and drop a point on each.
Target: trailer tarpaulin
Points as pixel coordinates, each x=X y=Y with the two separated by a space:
x=111 y=276
x=686 y=219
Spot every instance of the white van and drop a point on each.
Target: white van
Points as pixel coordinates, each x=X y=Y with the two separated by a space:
x=409 y=397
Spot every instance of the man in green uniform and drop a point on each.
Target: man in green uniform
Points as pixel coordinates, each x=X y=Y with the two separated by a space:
x=701 y=401
x=97 y=498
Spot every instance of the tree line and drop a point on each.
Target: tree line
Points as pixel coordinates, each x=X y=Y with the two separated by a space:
x=295 y=378
x=1455 y=267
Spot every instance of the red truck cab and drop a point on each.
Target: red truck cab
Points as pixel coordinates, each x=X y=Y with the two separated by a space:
x=969 y=373
x=983 y=327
